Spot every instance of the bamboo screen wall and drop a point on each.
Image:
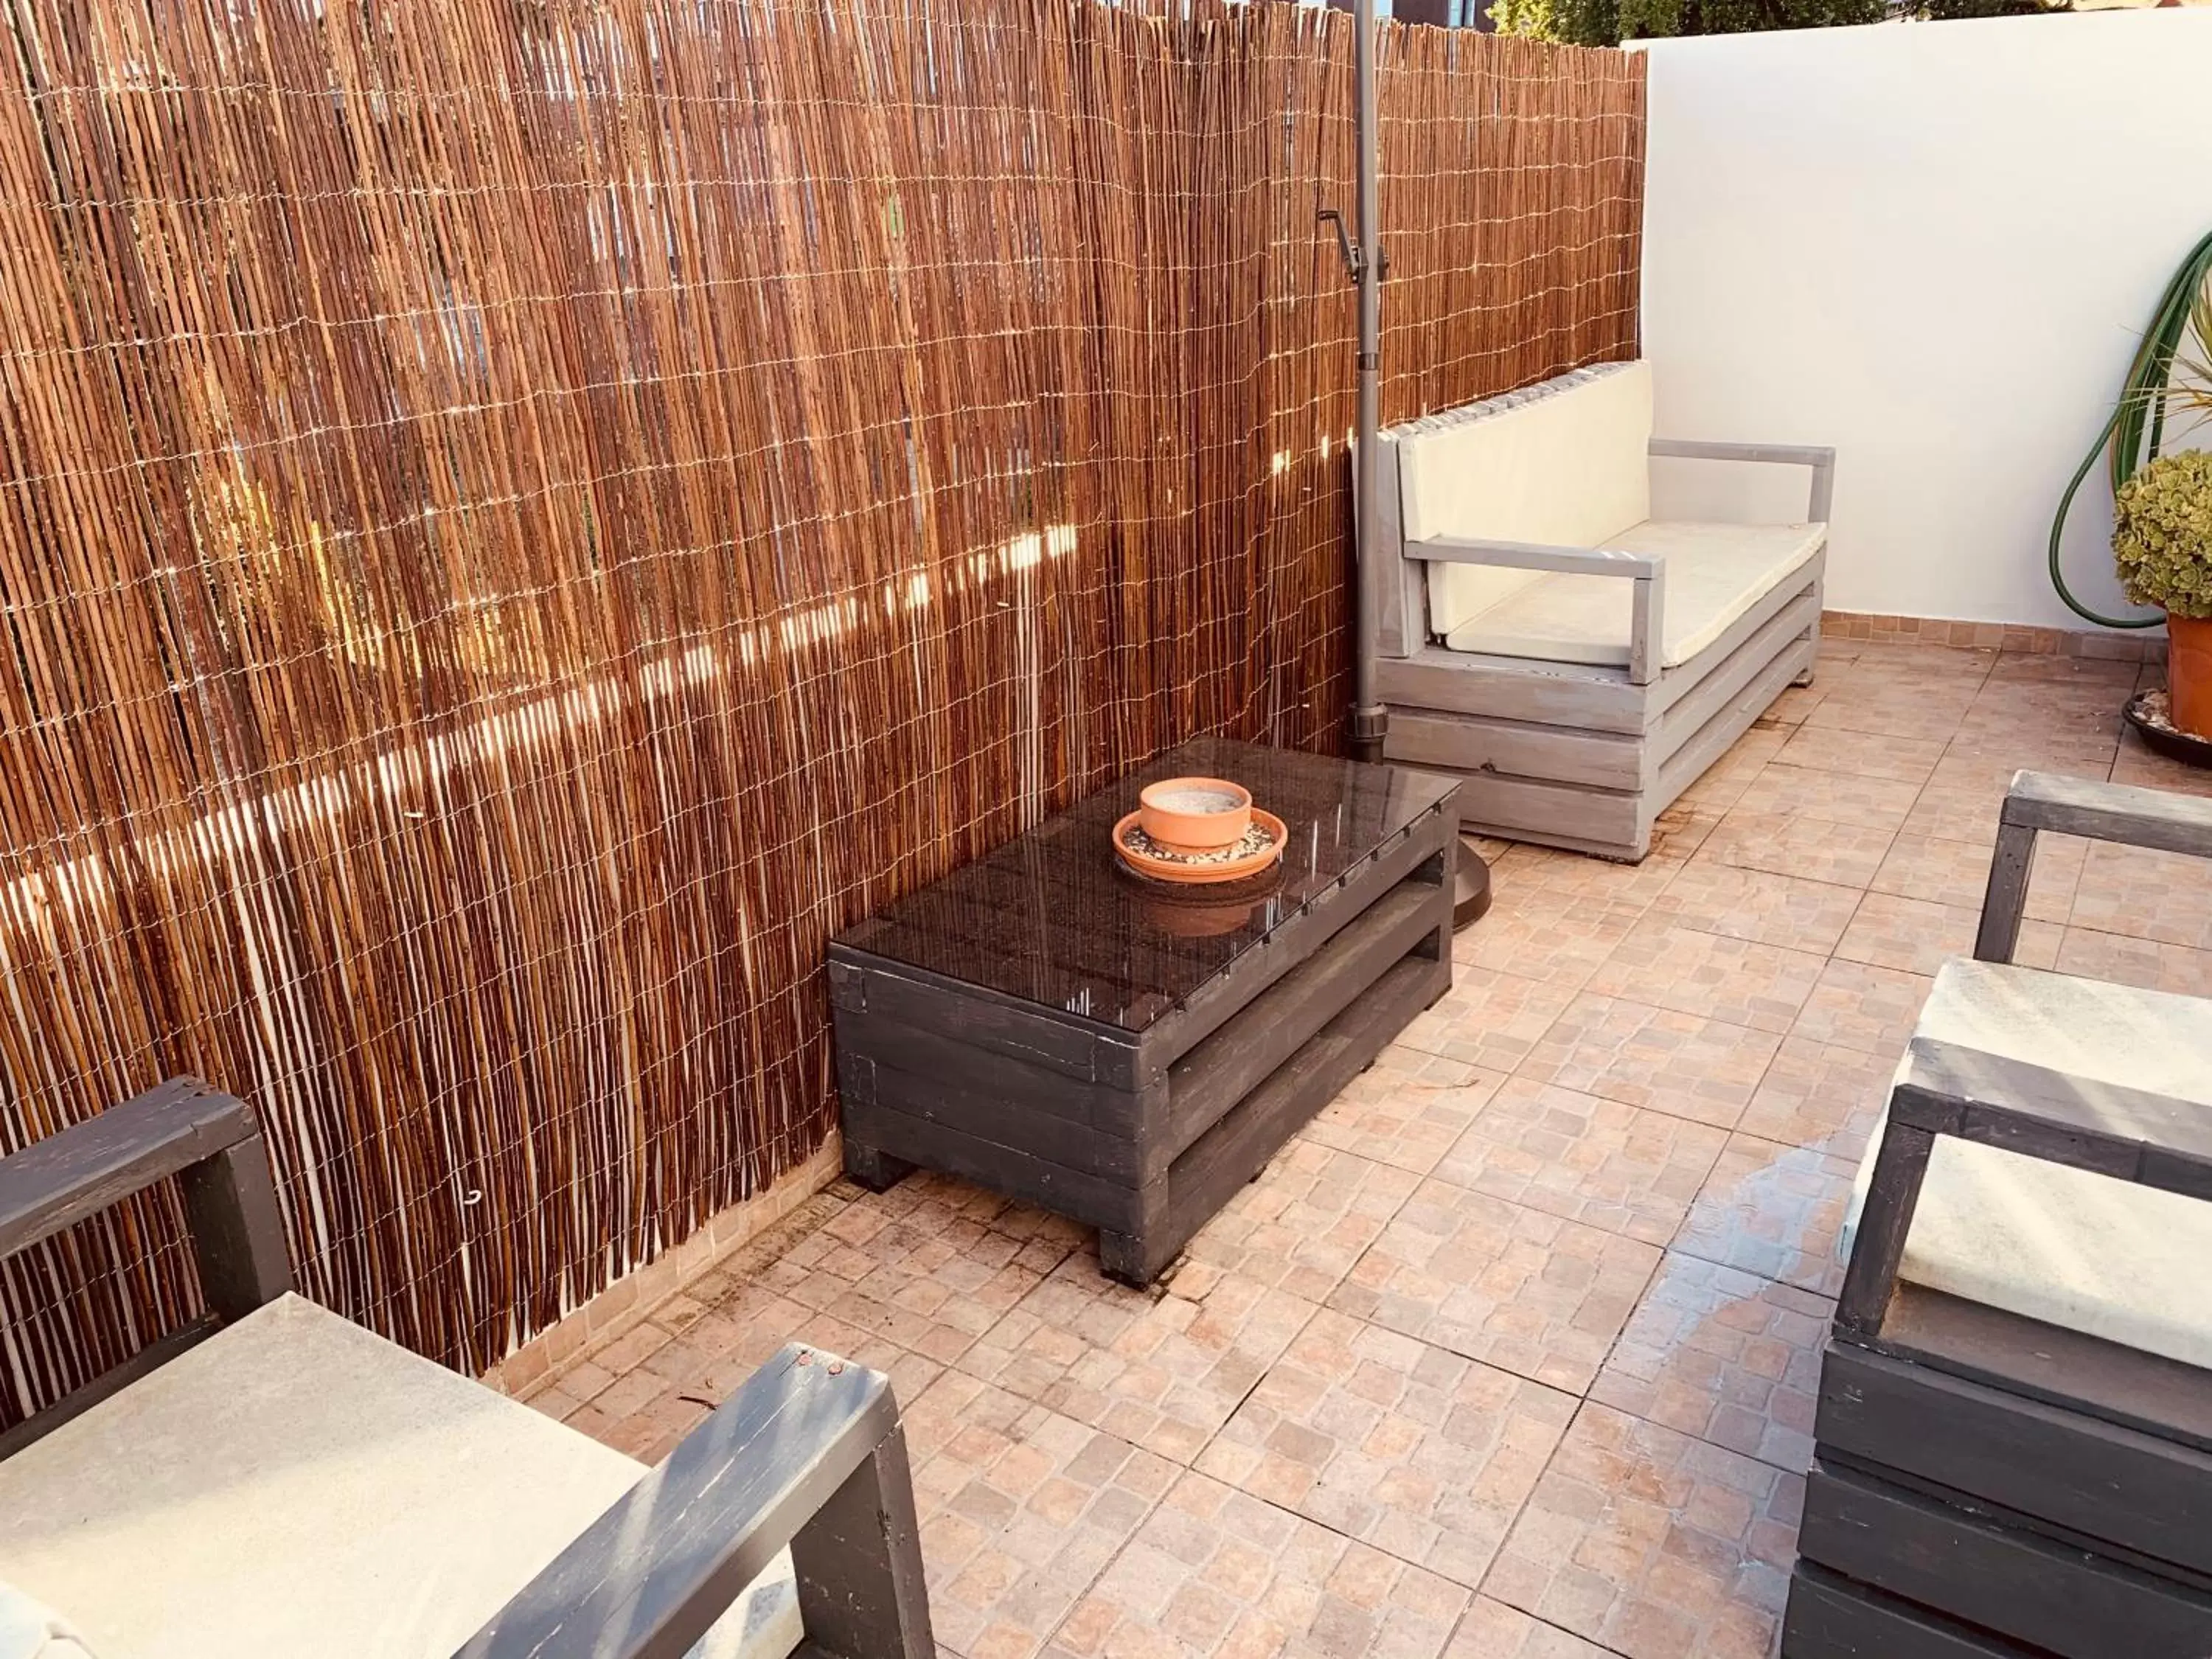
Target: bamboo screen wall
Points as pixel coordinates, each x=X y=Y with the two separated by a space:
x=518 y=520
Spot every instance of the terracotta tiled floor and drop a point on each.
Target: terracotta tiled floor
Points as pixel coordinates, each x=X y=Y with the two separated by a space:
x=1511 y=1353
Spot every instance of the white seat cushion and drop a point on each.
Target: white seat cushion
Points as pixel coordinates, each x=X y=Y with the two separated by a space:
x=1565 y=463
x=295 y=1486
x=31 y=1630
x=1715 y=573
x=2080 y=1251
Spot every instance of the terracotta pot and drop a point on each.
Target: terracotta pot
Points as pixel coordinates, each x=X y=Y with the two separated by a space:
x=2189 y=674
x=1195 y=815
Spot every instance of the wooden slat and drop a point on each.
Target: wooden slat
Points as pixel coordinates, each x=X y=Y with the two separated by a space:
x=1832 y=1617
x=58 y=1181
x=1427 y=851
x=1472 y=743
x=2122 y=1385
x=1272 y=1027
x=2071 y=1602
x=1581 y=698
x=2105 y=1482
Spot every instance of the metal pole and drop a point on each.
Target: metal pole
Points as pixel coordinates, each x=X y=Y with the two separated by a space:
x=1368 y=716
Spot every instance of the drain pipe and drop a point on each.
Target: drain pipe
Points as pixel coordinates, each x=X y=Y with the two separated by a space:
x=1364 y=263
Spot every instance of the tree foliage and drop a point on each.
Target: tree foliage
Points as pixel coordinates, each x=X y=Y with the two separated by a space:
x=1609 y=22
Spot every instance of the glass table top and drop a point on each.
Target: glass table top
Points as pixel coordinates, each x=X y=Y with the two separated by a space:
x=1052 y=918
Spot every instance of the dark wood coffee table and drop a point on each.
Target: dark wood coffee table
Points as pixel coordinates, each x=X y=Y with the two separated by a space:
x=1128 y=1054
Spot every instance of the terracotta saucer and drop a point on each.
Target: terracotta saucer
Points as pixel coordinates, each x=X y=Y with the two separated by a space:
x=1183 y=872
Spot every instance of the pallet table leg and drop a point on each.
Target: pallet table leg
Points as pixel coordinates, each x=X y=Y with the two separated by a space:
x=875 y=1169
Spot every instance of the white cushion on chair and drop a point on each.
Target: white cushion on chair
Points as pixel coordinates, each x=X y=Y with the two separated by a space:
x=1715 y=573
x=296 y=1486
x=31 y=1630
x=1566 y=463
x=2081 y=1251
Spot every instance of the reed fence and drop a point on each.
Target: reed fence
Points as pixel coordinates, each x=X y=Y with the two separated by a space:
x=516 y=522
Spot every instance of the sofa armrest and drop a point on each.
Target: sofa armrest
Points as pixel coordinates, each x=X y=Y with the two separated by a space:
x=1819 y=457
x=1648 y=571
x=209 y=1141
x=2120 y=813
x=808 y=1452
x=1948 y=1089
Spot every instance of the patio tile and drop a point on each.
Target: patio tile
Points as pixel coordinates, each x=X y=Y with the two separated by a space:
x=1493 y=1630
x=1774 y=1211
x=1487 y=1018
x=1305 y=1220
x=1021 y=1510
x=1838 y=796
x=2145 y=895
x=1725 y=780
x=1595 y=1161
x=1513 y=1287
x=1738 y=980
x=1215 y=1572
x=1864 y=754
x=1957 y=873
x=1726 y=1356
x=1784 y=844
x=1693 y=1067
x=2044 y=667
x=1162 y=1368
x=1915 y=934
x=1653 y=1543
x=1932 y=711
x=1870 y=1009
x=1405 y=1111
x=2137 y=765
x=746 y=1328
x=931 y=1264
x=1820 y=1095
x=1678 y=832
x=1757 y=904
x=1577 y=876
x=1404 y=1446
x=2150 y=963
x=1529 y=932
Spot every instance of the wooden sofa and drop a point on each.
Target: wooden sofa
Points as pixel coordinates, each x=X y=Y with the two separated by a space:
x=2014 y=1439
x=277 y=1483
x=1577 y=662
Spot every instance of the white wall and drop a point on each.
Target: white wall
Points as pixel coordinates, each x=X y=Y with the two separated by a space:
x=1934 y=246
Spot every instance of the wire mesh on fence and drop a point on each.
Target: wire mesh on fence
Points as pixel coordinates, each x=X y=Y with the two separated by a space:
x=518 y=521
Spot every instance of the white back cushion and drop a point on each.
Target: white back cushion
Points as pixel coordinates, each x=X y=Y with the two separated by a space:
x=1565 y=462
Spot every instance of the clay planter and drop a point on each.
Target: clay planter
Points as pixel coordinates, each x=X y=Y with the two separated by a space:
x=2189 y=674
x=1195 y=815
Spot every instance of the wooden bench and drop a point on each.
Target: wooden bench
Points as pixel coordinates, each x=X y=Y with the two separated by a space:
x=1578 y=663
x=2014 y=1440
x=274 y=1481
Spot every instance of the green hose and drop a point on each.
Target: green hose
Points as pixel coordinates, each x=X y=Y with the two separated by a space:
x=2137 y=425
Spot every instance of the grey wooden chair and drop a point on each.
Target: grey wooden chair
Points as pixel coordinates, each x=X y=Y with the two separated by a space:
x=2014 y=1439
x=1538 y=633
x=277 y=1482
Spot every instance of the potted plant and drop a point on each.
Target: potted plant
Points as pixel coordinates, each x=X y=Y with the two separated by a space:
x=2162 y=544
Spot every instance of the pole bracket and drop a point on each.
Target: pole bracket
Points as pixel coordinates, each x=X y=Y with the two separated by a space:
x=1354 y=257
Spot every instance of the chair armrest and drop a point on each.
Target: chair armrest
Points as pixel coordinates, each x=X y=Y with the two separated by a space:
x=1536 y=555
x=1648 y=571
x=2120 y=813
x=808 y=1452
x=210 y=1140
x=1946 y=1089
x=1819 y=457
